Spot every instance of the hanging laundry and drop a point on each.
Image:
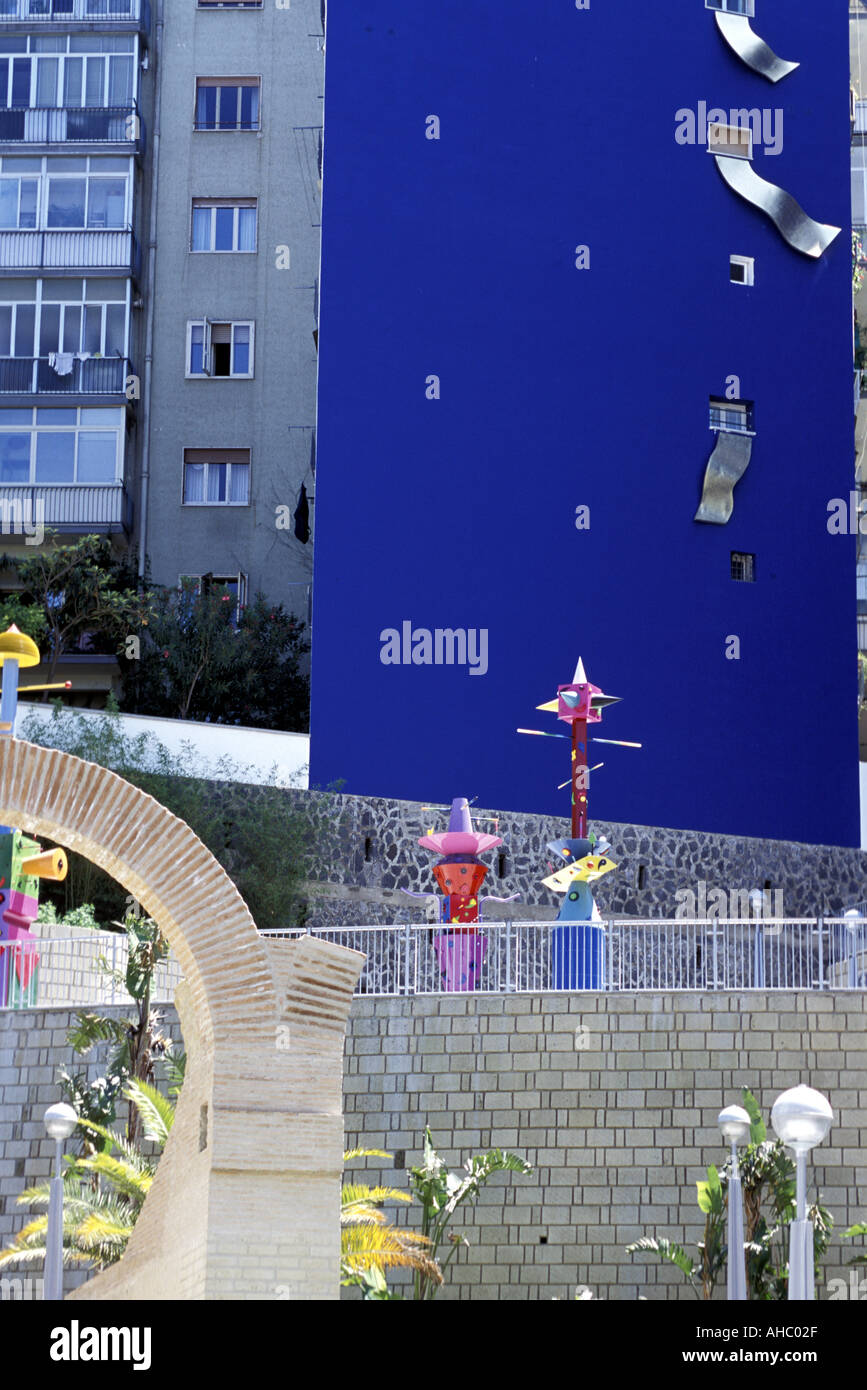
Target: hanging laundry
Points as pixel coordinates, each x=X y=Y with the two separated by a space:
x=62 y=362
x=302 y=517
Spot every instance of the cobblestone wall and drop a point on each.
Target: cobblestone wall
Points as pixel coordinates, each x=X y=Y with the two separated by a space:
x=365 y=851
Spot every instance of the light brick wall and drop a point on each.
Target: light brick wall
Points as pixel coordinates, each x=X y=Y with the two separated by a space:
x=619 y=1121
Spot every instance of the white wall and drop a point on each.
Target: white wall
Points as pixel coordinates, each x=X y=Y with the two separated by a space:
x=259 y=750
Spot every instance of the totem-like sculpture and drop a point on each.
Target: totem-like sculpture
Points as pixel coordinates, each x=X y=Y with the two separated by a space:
x=578 y=951
x=460 y=873
x=22 y=862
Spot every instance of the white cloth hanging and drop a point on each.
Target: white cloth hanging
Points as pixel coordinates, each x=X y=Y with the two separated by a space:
x=62 y=362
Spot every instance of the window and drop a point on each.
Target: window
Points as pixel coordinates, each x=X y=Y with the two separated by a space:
x=216 y=477
x=227 y=103
x=731 y=417
x=86 y=317
x=230 y=4
x=735 y=140
x=743 y=567
x=61 y=446
x=731 y=6
x=68 y=70
x=219 y=349
x=742 y=270
x=60 y=192
x=224 y=224
x=205 y=583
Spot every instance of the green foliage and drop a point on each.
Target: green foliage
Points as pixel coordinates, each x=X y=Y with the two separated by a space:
x=84 y=916
x=441 y=1193
x=27 y=617
x=767 y=1173
x=200 y=660
x=256 y=832
x=80 y=587
x=369 y=1245
x=859 y=1229
x=103 y=1192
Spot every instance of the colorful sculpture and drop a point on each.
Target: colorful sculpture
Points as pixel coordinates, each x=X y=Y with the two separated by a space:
x=460 y=873
x=578 y=952
x=22 y=863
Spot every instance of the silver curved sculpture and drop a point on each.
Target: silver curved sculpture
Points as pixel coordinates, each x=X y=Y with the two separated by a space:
x=726 y=466
x=800 y=231
x=753 y=51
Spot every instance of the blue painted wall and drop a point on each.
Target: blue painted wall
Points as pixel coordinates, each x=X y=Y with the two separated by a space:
x=563 y=387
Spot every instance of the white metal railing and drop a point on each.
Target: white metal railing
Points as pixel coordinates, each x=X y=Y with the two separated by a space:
x=61 y=971
x=653 y=954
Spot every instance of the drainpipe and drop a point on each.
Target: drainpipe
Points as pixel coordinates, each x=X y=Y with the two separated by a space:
x=151 y=271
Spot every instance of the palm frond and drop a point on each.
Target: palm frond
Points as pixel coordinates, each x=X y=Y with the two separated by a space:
x=358 y=1192
x=157 y=1111
x=364 y=1153
x=384 y=1247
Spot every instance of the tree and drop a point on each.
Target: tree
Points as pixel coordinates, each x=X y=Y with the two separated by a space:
x=78 y=588
x=257 y=832
x=441 y=1193
x=369 y=1246
x=103 y=1193
x=202 y=660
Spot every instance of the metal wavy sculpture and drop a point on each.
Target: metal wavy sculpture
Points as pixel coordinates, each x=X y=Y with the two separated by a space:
x=726 y=466
x=802 y=233
x=752 y=51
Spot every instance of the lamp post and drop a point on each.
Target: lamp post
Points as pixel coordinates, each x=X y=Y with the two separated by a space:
x=757 y=907
x=801 y=1118
x=60 y=1121
x=853 y=923
x=735 y=1125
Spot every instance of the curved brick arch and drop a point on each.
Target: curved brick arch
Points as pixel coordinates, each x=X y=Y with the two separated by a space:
x=258 y=1131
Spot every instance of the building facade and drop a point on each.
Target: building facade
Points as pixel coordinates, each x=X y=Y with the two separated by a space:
x=585 y=389
x=159 y=243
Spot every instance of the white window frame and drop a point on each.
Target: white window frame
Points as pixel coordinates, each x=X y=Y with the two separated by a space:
x=241 y=579
x=250 y=80
x=229 y=464
x=741 y=7
x=78 y=428
x=211 y=205
x=749 y=267
x=133 y=52
x=207 y=325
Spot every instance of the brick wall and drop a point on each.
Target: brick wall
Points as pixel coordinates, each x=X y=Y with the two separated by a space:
x=614 y=1100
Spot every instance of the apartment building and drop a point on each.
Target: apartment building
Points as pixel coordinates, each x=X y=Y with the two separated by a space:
x=159 y=242
x=236 y=265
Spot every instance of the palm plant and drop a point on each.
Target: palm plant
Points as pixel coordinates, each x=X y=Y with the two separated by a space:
x=103 y=1193
x=441 y=1193
x=369 y=1245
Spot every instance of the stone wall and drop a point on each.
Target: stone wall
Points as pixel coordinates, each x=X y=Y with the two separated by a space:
x=365 y=851
x=614 y=1100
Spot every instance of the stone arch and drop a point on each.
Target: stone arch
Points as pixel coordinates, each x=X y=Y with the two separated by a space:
x=245 y=1202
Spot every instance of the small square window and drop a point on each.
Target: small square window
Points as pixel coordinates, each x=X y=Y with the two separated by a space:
x=731 y=417
x=743 y=567
x=733 y=140
x=742 y=270
x=746 y=7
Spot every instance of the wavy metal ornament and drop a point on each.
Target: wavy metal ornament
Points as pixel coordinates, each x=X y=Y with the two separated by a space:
x=752 y=50
x=726 y=466
x=802 y=233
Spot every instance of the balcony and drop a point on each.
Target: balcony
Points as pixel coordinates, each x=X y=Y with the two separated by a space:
x=95 y=376
x=117 y=126
x=91 y=12
x=70 y=251
x=73 y=508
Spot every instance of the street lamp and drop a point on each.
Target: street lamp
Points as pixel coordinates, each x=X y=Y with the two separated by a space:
x=853 y=923
x=60 y=1121
x=757 y=907
x=801 y=1117
x=735 y=1125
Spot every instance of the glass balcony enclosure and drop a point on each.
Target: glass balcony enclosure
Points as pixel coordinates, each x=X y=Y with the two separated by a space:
x=61 y=446
x=71 y=10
